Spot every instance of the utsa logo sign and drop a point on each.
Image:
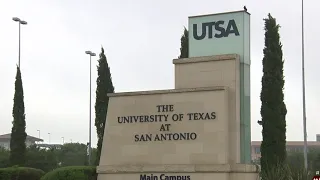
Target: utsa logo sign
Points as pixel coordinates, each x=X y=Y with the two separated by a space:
x=216 y=29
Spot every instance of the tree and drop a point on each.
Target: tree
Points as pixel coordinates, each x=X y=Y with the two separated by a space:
x=41 y=158
x=273 y=109
x=104 y=86
x=47 y=159
x=18 y=131
x=73 y=154
x=94 y=156
x=184 y=49
x=4 y=157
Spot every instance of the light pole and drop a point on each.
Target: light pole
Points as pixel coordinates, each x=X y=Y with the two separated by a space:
x=49 y=137
x=62 y=140
x=89 y=156
x=305 y=150
x=39 y=133
x=23 y=23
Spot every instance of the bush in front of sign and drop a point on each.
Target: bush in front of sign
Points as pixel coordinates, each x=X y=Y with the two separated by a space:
x=20 y=173
x=72 y=173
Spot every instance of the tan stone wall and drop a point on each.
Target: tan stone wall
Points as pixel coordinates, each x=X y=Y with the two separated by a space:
x=211 y=71
x=210 y=147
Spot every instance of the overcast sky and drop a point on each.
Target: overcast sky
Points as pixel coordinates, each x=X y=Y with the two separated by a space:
x=140 y=38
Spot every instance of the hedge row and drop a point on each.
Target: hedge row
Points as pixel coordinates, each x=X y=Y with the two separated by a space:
x=64 y=173
x=20 y=173
x=72 y=173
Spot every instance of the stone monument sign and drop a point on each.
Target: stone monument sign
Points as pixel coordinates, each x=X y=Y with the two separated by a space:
x=192 y=132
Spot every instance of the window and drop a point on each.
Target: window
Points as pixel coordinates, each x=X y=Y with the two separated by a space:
x=288 y=149
x=257 y=150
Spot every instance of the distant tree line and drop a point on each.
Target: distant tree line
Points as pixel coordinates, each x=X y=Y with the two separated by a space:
x=46 y=159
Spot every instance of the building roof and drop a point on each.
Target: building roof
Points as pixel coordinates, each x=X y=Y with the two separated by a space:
x=8 y=136
x=291 y=143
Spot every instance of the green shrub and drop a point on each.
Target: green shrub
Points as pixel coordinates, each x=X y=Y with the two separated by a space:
x=286 y=172
x=278 y=172
x=20 y=173
x=72 y=173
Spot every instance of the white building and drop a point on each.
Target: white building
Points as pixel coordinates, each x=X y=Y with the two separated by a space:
x=5 y=140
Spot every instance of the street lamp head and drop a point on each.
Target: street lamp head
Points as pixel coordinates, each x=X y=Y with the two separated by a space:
x=23 y=22
x=16 y=19
x=90 y=53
